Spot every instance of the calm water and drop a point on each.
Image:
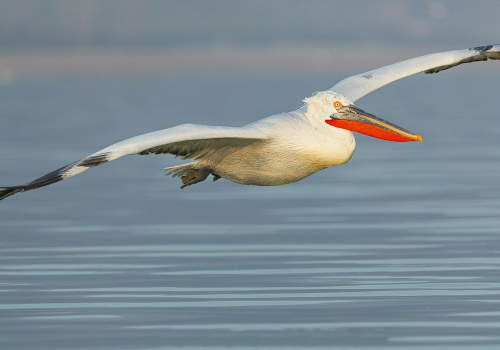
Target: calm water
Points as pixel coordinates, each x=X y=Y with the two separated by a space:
x=398 y=249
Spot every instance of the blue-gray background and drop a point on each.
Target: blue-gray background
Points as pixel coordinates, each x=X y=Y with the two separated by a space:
x=399 y=248
x=49 y=24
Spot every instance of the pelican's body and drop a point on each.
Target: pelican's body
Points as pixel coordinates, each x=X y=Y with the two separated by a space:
x=295 y=146
x=287 y=148
x=280 y=149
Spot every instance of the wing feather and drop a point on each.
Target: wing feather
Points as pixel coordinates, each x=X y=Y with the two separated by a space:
x=194 y=149
x=187 y=141
x=357 y=86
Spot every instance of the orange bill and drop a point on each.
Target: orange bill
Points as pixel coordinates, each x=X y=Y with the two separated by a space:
x=355 y=119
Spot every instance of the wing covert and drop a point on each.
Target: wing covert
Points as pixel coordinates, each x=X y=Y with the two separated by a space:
x=187 y=141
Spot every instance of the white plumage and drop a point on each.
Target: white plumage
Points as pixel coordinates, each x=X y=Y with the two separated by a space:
x=279 y=149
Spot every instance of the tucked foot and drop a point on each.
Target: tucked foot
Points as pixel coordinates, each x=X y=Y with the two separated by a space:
x=194 y=176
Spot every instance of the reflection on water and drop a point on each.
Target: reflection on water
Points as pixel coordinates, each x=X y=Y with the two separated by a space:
x=399 y=248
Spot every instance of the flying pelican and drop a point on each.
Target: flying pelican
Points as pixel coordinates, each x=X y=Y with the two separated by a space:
x=280 y=149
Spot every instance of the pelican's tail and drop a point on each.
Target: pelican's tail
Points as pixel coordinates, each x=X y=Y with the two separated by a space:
x=180 y=170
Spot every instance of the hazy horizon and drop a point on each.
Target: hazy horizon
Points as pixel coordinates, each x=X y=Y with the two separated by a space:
x=131 y=37
x=56 y=24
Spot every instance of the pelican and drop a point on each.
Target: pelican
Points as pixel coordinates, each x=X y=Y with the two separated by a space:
x=282 y=148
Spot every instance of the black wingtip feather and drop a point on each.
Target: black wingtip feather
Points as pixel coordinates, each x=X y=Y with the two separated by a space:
x=8 y=191
x=54 y=176
x=47 y=179
x=482 y=49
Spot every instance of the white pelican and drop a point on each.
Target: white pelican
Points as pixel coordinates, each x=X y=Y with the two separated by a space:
x=280 y=149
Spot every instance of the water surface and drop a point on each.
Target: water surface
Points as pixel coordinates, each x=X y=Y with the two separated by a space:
x=399 y=248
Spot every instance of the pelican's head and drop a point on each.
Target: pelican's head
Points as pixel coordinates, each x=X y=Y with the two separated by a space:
x=339 y=112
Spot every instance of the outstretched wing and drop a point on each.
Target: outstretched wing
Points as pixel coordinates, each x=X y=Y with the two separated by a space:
x=357 y=86
x=187 y=141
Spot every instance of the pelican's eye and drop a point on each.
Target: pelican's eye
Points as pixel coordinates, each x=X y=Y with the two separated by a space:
x=337 y=104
